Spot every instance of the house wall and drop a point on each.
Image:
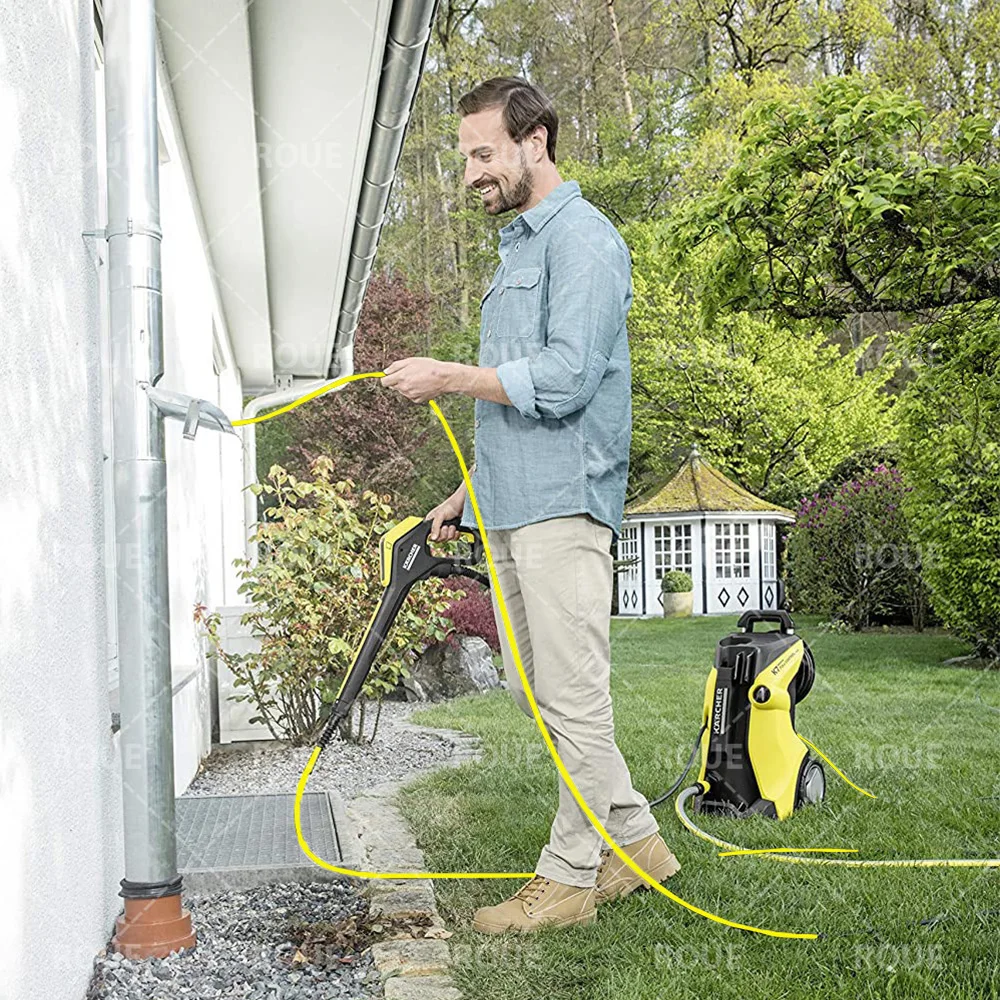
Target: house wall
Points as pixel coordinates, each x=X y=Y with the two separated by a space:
x=204 y=476
x=60 y=787
x=60 y=814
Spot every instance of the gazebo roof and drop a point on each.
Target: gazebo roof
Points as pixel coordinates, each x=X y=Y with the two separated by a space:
x=696 y=487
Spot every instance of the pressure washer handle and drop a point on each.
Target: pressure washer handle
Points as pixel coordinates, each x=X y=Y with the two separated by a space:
x=750 y=618
x=473 y=534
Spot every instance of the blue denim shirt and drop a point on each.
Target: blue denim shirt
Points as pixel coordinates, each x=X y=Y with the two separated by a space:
x=553 y=326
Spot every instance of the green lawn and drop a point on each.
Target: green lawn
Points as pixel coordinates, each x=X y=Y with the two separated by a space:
x=918 y=734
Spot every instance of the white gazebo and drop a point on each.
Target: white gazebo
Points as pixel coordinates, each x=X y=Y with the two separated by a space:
x=704 y=524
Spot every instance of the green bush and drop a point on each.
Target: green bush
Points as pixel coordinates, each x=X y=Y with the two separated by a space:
x=311 y=595
x=676 y=582
x=950 y=449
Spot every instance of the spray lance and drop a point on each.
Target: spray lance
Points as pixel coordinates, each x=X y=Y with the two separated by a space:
x=405 y=558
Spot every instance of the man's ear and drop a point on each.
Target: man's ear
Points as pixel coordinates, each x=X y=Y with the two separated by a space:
x=538 y=138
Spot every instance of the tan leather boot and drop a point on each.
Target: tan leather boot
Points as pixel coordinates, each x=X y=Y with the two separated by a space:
x=615 y=879
x=540 y=902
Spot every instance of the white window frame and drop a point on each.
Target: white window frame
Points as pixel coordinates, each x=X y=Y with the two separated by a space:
x=628 y=548
x=768 y=550
x=682 y=558
x=732 y=550
x=671 y=548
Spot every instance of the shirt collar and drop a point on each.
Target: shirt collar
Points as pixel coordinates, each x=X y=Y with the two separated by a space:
x=537 y=216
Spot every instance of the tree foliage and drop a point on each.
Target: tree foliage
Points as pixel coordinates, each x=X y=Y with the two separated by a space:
x=950 y=445
x=777 y=406
x=849 y=199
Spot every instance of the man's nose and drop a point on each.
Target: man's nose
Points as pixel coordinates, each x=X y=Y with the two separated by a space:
x=472 y=172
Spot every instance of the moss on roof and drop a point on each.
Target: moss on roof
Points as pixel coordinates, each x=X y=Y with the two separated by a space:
x=697 y=487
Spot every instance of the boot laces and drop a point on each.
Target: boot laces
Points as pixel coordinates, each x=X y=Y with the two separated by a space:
x=532 y=889
x=605 y=858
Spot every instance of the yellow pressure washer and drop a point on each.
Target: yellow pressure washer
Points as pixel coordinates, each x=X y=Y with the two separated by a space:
x=752 y=760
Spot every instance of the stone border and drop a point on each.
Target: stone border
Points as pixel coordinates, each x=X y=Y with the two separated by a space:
x=374 y=836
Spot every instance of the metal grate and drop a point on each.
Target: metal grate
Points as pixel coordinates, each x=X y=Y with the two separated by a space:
x=233 y=833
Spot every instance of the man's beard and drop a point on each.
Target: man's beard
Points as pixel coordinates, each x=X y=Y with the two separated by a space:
x=515 y=197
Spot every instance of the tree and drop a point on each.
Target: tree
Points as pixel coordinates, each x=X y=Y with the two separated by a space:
x=849 y=199
x=374 y=436
x=777 y=406
x=950 y=447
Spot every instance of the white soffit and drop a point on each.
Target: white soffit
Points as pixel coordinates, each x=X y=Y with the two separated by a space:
x=276 y=101
x=206 y=46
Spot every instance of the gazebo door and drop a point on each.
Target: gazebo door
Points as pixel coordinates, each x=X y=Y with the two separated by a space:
x=732 y=586
x=629 y=576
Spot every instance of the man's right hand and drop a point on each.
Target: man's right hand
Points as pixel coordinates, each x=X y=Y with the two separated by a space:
x=452 y=507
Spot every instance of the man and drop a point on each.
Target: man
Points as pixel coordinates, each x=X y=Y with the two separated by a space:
x=553 y=425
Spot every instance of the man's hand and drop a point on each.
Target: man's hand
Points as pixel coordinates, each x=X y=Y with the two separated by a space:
x=452 y=507
x=419 y=379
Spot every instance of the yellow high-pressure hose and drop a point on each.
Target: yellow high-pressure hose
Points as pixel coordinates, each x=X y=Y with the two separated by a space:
x=782 y=853
x=531 y=700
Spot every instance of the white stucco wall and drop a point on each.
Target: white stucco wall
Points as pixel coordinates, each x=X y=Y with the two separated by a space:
x=204 y=476
x=60 y=797
x=60 y=826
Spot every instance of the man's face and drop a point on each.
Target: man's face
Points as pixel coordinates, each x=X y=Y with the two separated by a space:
x=495 y=165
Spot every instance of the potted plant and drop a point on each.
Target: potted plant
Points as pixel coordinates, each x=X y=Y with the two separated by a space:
x=676 y=594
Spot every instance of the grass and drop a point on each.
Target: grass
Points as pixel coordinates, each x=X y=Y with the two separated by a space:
x=884 y=708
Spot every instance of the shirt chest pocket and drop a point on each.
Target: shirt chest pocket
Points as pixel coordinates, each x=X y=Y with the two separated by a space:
x=519 y=303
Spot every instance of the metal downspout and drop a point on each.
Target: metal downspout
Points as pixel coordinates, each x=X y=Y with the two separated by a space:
x=153 y=919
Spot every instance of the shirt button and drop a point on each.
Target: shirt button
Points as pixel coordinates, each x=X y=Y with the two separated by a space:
x=517 y=246
x=501 y=291
x=477 y=423
x=488 y=332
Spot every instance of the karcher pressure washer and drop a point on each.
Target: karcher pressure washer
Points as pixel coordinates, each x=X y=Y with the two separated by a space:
x=752 y=761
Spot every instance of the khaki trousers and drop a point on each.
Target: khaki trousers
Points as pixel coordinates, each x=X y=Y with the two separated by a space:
x=556 y=577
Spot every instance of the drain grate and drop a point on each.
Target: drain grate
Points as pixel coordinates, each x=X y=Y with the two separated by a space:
x=254 y=836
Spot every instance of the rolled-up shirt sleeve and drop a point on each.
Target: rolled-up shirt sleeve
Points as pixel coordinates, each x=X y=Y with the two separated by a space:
x=589 y=289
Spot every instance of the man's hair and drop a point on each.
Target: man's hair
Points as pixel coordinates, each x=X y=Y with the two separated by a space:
x=525 y=107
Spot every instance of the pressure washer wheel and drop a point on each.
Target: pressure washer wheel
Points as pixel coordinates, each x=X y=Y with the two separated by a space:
x=812 y=784
x=806 y=676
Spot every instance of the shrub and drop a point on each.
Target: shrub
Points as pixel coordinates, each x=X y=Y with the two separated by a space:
x=950 y=449
x=472 y=613
x=676 y=582
x=311 y=595
x=851 y=555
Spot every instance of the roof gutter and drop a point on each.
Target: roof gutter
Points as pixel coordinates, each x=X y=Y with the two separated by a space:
x=405 y=51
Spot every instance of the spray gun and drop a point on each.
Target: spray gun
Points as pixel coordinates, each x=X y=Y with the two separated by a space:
x=404 y=559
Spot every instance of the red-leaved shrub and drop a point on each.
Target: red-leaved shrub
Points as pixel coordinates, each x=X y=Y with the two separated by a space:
x=472 y=614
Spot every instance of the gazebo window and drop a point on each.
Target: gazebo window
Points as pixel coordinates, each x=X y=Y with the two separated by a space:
x=732 y=550
x=671 y=548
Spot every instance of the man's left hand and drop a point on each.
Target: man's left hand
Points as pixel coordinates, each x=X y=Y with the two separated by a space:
x=419 y=379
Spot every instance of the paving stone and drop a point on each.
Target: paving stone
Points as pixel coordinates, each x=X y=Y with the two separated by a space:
x=412 y=957
x=407 y=859
x=410 y=897
x=421 y=988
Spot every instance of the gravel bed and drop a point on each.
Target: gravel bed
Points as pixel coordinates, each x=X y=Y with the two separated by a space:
x=247 y=950
x=346 y=768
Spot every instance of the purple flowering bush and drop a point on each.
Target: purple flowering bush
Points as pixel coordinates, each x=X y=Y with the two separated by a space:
x=852 y=557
